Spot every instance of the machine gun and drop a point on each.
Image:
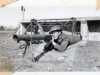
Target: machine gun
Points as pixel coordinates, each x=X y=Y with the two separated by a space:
x=33 y=26
x=31 y=35
x=29 y=38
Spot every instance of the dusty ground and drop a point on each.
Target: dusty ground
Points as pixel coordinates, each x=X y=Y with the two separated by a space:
x=78 y=57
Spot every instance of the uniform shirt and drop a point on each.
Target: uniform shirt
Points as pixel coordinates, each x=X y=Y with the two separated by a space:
x=64 y=40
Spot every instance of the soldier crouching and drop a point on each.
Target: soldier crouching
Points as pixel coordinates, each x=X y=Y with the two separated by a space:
x=59 y=42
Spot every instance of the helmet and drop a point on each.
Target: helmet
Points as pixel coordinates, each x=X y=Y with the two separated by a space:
x=34 y=21
x=55 y=29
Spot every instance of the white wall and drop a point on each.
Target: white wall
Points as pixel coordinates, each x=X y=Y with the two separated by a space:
x=84 y=30
x=94 y=36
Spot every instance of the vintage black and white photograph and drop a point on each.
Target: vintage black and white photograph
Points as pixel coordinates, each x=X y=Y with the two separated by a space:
x=49 y=36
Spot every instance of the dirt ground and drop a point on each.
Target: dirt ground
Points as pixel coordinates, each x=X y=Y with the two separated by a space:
x=77 y=58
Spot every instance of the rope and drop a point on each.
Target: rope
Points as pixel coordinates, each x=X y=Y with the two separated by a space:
x=22 y=46
x=40 y=28
x=27 y=28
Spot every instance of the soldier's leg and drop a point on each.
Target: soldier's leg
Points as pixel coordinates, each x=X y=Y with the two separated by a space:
x=39 y=49
x=45 y=50
x=40 y=55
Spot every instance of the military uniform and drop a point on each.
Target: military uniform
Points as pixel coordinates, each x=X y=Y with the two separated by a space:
x=62 y=42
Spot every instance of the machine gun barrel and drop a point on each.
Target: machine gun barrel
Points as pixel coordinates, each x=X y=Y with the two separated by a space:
x=26 y=37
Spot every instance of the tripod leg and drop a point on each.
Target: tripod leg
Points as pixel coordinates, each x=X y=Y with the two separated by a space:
x=25 y=51
x=32 y=51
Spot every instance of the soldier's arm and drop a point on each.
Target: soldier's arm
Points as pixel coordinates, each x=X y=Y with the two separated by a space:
x=49 y=46
x=63 y=46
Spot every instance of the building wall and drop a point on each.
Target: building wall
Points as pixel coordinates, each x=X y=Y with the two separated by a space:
x=94 y=36
x=77 y=27
x=90 y=30
x=94 y=26
x=94 y=30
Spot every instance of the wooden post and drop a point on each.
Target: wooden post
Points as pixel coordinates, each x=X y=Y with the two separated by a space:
x=84 y=30
x=23 y=10
x=73 y=27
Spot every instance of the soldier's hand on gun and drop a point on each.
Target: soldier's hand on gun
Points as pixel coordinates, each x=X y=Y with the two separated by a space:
x=48 y=43
x=53 y=41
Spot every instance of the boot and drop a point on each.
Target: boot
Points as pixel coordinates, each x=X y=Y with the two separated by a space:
x=39 y=56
